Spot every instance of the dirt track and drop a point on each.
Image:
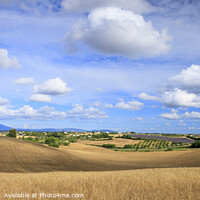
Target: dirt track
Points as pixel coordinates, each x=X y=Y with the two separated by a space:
x=23 y=156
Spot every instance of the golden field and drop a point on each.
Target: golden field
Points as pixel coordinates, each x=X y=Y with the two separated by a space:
x=23 y=156
x=145 y=184
x=98 y=173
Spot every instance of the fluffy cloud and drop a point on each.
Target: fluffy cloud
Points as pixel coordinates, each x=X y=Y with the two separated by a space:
x=54 y=86
x=138 y=6
x=178 y=97
x=183 y=89
x=138 y=119
x=86 y=113
x=6 y=61
x=186 y=115
x=191 y=115
x=147 y=97
x=24 y=81
x=3 y=101
x=182 y=124
x=40 y=98
x=36 y=6
x=102 y=105
x=131 y=105
x=171 y=116
x=29 y=113
x=194 y=128
x=188 y=79
x=114 y=31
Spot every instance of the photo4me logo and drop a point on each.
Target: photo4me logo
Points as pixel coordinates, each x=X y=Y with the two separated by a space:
x=17 y=195
x=41 y=195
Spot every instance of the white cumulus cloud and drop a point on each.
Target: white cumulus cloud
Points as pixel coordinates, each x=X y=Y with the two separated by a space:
x=29 y=113
x=172 y=116
x=130 y=105
x=6 y=61
x=80 y=112
x=147 y=97
x=40 y=98
x=3 y=101
x=191 y=115
x=188 y=79
x=187 y=115
x=55 y=86
x=24 y=81
x=114 y=31
x=102 y=105
x=178 y=97
x=75 y=6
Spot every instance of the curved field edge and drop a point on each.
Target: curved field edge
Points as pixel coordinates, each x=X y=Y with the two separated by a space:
x=144 y=184
x=23 y=156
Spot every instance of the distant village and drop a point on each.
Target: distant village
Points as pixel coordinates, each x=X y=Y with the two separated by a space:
x=70 y=133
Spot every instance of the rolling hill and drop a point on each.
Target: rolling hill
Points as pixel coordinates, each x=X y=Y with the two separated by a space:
x=23 y=156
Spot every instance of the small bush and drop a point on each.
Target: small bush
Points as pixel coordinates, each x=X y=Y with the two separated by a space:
x=110 y=146
x=54 y=145
x=169 y=149
x=128 y=146
x=66 y=143
x=30 y=138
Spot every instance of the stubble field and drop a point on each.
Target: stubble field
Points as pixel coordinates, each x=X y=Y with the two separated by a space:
x=97 y=173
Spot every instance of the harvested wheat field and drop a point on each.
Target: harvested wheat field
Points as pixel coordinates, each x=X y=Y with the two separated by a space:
x=96 y=173
x=145 y=184
x=23 y=156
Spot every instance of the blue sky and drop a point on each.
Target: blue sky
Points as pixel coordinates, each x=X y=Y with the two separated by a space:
x=120 y=65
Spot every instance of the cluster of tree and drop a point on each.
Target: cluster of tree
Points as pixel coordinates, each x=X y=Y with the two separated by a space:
x=125 y=136
x=196 y=144
x=102 y=135
x=192 y=137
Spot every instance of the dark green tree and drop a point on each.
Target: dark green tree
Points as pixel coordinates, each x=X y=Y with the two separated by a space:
x=12 y=133
x=196 y=144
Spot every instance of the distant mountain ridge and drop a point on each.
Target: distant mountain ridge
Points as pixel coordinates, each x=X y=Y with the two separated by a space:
x=53 y=130
x=6 y=128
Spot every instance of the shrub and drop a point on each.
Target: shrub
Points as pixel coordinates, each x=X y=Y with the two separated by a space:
x=72 y=140
x=169 y=149
x=196 y=144
x=30 y=138
x=127 y=137
x=174 y=143
x=180 y=143
x=128 y=146
x=51 y=142
x=112 y=146
x=66 y=143
x=54 y=145
x=12 y=133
